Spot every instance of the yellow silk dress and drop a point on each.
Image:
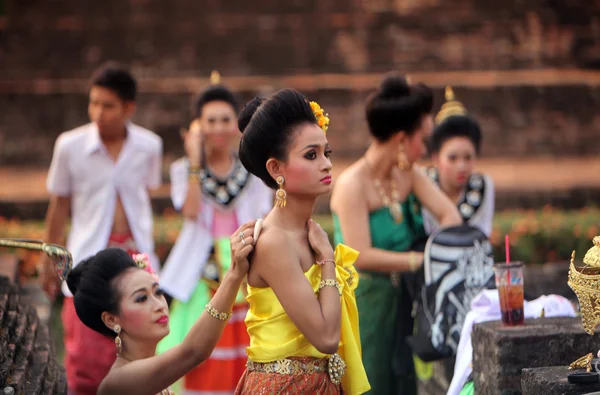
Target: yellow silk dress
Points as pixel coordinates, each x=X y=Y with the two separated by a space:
x=274 y=337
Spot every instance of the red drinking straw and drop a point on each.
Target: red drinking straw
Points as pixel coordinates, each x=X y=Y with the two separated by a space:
x=507 y=248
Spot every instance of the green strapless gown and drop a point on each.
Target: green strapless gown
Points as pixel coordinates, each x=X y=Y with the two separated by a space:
x=379 y=300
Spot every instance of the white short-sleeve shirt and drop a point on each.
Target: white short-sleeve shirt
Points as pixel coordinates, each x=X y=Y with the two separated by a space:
x=82 y=168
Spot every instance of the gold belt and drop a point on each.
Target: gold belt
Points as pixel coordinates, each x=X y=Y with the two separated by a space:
x=334 y=365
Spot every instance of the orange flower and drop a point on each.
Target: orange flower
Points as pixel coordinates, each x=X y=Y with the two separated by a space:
x=322 y=118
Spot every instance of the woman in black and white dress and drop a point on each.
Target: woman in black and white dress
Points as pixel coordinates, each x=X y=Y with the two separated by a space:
x=455 y=146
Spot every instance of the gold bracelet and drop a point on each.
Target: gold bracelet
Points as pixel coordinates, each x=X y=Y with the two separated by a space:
x=194 y=178
x=216 y=314
x=330 y=283
x=412 y=261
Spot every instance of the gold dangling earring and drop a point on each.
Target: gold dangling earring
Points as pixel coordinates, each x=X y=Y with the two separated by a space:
x=118 y=342
x=403 y=163
x=280 y=195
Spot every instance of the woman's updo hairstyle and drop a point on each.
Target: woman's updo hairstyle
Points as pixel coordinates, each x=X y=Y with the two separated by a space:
x=92 y=283
x=214 y=93
x=268 y=125
x=397 y=106
x=456 y=126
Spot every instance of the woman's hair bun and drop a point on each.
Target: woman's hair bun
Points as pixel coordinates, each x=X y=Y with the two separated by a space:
x=394 y=85
x=248 y=111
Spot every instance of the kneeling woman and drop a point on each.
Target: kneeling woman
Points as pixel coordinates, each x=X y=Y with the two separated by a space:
x=119 y=297
x=302 y=339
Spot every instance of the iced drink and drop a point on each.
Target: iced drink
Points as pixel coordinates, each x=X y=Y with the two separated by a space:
x=509 y=281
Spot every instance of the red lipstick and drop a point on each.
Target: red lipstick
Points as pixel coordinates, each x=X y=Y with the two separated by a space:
x=326 y=180
x=164 y=319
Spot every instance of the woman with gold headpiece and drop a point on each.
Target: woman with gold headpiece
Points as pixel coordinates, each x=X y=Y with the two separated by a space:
x=376 y=210
x=455 y=146
x=215 y=193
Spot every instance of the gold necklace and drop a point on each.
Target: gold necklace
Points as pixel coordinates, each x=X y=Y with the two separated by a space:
x=391 y=202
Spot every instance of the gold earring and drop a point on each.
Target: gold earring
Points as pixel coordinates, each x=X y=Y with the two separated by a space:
x=280 y=195
x=118 y=342
x=403 y=163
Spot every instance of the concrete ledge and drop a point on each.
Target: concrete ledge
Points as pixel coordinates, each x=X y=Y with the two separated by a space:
x=553 y=381
x=500 y=352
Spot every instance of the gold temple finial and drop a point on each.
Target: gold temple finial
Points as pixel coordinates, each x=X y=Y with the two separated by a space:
x=215 y=77
x=585 y=282
x=450 y=107
x=592 y=256
x=584 y=362
x=449 y=94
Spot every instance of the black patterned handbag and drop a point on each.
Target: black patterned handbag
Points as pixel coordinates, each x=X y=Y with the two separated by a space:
x=458 y=264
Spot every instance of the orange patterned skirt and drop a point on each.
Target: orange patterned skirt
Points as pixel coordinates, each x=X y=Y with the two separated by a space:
x=258 y=383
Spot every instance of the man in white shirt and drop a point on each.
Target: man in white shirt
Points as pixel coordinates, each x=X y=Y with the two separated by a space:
x=100 y=178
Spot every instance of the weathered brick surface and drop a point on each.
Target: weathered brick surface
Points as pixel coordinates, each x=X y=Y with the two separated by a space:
x=56 y=45
x=500 y=353
x=162 y=37
x=517 y=121
x=554 y=381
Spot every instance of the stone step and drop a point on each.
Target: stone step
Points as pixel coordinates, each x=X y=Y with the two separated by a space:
x=320 y=81
x=553 y=380
x=570 y=183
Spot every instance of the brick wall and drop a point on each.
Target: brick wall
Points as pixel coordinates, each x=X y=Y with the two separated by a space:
x=159 y=37
x=53 y=41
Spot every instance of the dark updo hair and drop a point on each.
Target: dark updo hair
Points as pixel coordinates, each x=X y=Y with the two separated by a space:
x=115 y=77
x=397 y=106
x=267 y=126
x=214 y=93
x=92 y=283
x=455 y=126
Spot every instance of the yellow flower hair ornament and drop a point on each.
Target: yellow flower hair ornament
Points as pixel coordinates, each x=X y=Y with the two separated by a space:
x=322 y=117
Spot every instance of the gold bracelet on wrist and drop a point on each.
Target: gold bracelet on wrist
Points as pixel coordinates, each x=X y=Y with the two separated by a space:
x=194 y=174
x=412 y=261
x=194 y=178
x=330 y=283
x=216 y=314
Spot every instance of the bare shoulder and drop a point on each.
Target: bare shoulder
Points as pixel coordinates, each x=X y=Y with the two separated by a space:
x=271 y=240
x=271 y=254
x=351 y=180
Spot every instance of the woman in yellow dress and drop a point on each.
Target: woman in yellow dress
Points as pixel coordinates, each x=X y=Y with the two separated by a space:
x=303 y=320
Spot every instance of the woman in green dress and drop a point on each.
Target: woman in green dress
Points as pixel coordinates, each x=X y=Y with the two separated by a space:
x=376 y=210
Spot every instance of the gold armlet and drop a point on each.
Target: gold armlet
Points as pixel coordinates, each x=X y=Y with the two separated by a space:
x=216 y=314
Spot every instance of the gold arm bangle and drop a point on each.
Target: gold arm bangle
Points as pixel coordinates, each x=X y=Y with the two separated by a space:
x=412 y=261
x=330 y=283
x=216 y=314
